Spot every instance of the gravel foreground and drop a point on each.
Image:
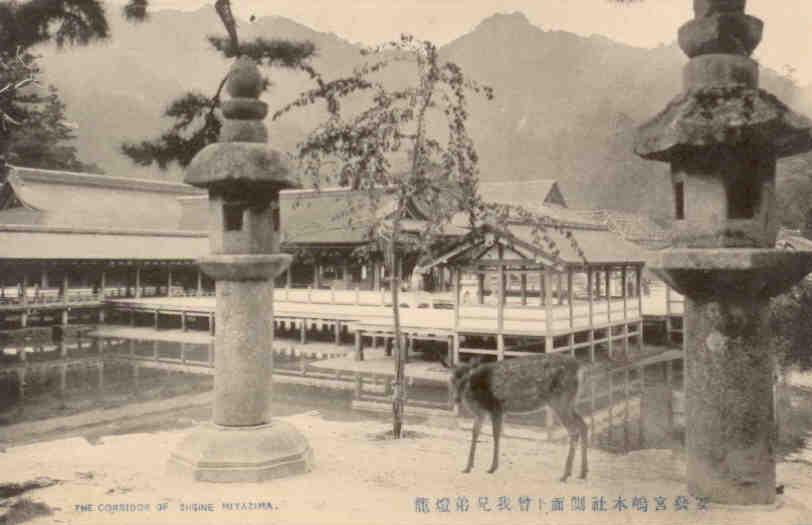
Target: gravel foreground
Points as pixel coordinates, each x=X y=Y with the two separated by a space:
x=359 y=477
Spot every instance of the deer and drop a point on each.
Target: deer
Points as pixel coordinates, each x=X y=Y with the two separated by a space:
x=522 y=385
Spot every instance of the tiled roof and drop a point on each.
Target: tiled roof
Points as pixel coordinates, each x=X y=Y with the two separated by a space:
x=58 y=198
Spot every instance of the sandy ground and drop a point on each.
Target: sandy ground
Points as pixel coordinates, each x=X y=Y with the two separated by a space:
x=362 y=480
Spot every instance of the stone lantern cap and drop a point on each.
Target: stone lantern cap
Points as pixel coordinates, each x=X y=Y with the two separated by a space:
x=728 y=115
x=230 y=165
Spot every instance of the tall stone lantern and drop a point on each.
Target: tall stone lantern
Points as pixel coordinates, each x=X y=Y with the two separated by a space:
x=243 y=176
x=722 y=137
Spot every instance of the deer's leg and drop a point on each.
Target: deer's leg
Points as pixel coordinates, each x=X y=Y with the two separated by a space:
x=474 y=437
x=583 y=430
x=565 y=417
x=496 y=420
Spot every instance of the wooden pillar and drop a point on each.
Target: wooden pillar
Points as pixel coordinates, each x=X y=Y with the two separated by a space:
x=183 y=353
x=44 y=277
x=549 y=341
x=598 y=284
x=103 y=285
x=560 y=279
x=480 y=292
x=211 y=324
x=210 y=355
x=542 y=288
x=169 y=282
x=359 y=345
x=65 y=286
x=569 y=297
x=337 y=325
x=609 y=329
x=101 y=375
x=65 y=317
x=25 y=289
x=625 y=293
x=316 y=276
x=303 y=331
x=155 y=320
x=523 y=285
x=345 y=275
x=183 y=321
x=199 y=291
x=457 y=301
x=590 y=292
x=638 y=270
x=288 y=279
x=138 y=281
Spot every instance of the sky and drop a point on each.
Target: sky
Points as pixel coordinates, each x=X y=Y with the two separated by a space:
x=787 y=35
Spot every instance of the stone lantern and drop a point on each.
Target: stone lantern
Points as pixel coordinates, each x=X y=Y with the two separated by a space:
x=722 y=137
x=243 y=177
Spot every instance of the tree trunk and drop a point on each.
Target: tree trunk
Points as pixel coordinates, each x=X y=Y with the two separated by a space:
x=399 y=394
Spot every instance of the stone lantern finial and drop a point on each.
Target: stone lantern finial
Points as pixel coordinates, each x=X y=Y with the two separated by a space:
x=244 y=177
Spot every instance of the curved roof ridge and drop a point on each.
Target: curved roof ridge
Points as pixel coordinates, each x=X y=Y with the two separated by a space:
x=91 y=179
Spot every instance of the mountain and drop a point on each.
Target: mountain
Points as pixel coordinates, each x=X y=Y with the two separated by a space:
x=566 y=106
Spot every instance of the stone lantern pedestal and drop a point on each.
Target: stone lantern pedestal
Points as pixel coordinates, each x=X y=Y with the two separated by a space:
x=242 y=442
x=722 y=137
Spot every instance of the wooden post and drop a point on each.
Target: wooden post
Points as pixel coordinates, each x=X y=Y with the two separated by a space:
x=65 y=286
x=316 y=276
x=211 y=324
x=523 y=285
x=549 y=341
x=359 y=345
x=480 y=292
x=183 y=321
x=44 y=278
x=288 y=279
x=303 y=331
x=560 y=279
x=590 y=292
x=155 y=321
x=210 y=355
x=337 y=325
x=569 y=297
x=183 y=353
x=625 y=293
x=25 y=290
x=103 y=285
x=345 y=275
x=65 y=317
x=638 y=280
x=169 y=282
x=542 y=288
x=138 y=291
x=608 y=294
x=376 y=276
x=199 y=291
x=457 y=302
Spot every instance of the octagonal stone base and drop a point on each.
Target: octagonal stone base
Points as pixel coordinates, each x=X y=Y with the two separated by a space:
x=242 y=454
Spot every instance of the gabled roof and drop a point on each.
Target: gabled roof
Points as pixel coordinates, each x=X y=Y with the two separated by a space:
x=329 y=216
x=527 y=193
x=633 y=227
x=81 y=200
x=551 y=248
